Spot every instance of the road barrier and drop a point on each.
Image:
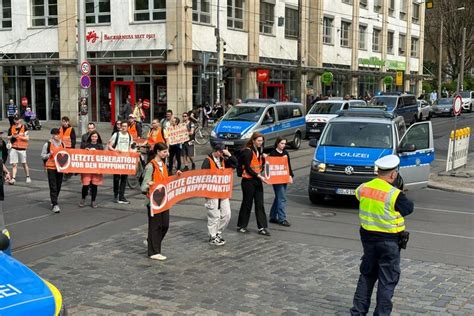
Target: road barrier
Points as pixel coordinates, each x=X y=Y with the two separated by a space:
x=458 y=148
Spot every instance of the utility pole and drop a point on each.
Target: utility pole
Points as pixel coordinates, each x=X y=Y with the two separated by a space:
x=81 y=44
x=220 y=56
x=462 y=58
x=440 y=58
x=299 y=71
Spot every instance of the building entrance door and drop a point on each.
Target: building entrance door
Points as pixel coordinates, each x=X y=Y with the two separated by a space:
x=120 y=91
x=273 y=91
x=40 y=98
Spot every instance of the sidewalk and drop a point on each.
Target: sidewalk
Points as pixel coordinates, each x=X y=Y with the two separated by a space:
x=462 y=180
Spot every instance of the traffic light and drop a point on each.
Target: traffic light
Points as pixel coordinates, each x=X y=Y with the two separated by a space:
x=429 y=4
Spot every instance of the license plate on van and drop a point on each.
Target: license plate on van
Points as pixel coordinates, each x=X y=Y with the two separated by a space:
x=315 y=130
x=228 y=142
x=345 y=191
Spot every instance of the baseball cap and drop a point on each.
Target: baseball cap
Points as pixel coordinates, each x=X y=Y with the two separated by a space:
x=55 y=131
x=219 y=147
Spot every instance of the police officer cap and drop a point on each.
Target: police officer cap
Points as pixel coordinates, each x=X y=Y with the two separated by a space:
x=388 y=162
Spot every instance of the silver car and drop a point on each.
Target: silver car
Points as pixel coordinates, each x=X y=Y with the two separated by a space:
x=444 y=106
x=424 y=110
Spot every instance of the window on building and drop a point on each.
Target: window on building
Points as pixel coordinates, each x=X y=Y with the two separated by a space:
x=376 y=40
x=97 y=11
x=267 y=17
x=345 y=34
x=5 y=14
x=416 y=13
x=390 y=41
x=44 y=12
x=291 y=22
x=378 y=6
x=202 y=11
x=391 y=8
x=402 y=44
x=347 y=2
x=363 y=4
x=403 y=10
x=328 y=25
x=362 y=36
x=414 y=47
x=235 y=14
x=149 y=10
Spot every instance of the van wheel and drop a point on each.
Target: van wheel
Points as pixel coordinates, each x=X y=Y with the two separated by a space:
x=316 y=198
x=296 y=143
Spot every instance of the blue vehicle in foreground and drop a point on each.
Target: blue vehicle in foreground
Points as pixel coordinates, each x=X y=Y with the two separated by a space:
x=346 y=152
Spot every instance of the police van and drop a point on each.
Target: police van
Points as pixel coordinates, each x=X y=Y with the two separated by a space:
x=352 y=142
x=269 y=117
x=322 y=111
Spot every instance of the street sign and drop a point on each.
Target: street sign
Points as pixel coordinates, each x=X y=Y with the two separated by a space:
x=327 y=77
x=85 y=82
x=146 y=104
x=399 y=78
x=85 y=68
x=24 y=101
x=457 y=105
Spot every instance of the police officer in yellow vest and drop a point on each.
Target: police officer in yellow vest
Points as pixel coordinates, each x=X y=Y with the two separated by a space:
x=382 y=210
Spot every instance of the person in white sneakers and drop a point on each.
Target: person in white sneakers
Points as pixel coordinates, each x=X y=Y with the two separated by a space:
x=218 y=210
x=18 y=138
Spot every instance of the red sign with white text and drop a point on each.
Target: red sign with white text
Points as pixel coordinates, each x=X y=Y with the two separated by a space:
x=276 y=170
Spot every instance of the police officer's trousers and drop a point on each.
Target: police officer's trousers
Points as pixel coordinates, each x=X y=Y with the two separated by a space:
x=381 y=261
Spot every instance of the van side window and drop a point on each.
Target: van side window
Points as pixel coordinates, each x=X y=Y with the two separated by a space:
x=295 y=111
x=269 y=116
x=283 y=113
x=409 y=100
x=400 y=102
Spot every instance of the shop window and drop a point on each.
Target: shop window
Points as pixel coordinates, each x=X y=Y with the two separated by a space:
x=391 y=8
x=378 y=6
x=376 y=40
x=202 y=11
x=390 y=39
x=403 y=10
x=149 y=10
x=328 y=25
x=291 y=23
x=267 y=17
x=106 y=70
x=97 y=11
x=363 y=4
x=5 y=14
x=44 y=12
x=235 y=14
x=141 y=70
x=123 y=70
x=345 y=34
x=362 y=37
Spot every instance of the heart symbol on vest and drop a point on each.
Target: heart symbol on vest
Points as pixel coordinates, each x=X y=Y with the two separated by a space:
x=159 y=196
x=62 y=159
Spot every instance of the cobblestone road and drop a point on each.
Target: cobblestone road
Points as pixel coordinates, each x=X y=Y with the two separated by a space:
x=249 y=275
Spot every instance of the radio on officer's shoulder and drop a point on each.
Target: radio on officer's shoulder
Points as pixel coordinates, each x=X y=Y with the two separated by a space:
x=404 y=236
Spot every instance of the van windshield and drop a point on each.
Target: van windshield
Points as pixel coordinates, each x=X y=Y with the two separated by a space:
x=325 y=108
x=244 y=113
x=358 y=134
x=390 y=102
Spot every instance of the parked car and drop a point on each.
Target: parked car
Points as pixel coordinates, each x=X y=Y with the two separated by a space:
x=444 y=106
x=467 y=100
x=424 y=110
x=404 y=105
x=322 y=111
x=269 y=117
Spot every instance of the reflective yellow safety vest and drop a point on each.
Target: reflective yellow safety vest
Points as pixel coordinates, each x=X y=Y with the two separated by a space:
x=377 y=207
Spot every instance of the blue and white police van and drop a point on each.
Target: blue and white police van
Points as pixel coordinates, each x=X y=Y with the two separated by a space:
x=269 y=117
x=350 y=144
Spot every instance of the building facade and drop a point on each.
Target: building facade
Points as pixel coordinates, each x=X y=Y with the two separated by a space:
x=166 y=51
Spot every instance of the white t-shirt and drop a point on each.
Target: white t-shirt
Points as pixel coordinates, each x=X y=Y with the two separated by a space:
x=123 y=143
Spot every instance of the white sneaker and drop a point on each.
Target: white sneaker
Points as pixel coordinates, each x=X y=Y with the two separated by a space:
x=28 y=180
x=158 y=256
x=56 y=209
x=12 y=181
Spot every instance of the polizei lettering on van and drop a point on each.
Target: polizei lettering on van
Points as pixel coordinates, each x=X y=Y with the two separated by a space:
x=351 y=155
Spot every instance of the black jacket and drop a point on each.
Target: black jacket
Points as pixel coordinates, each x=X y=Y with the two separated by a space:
x=275 y=153
x=230 y=162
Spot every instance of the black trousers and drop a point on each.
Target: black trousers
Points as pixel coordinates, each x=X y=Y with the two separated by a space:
x=10 y=119
x=381 y=261
x=252 y=191
x=175 y=151
x=85 y=191
x=55 y=180
x=120 y=182
x=157 y=228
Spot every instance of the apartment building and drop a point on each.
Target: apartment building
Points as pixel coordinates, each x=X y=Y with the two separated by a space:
x=165 y=51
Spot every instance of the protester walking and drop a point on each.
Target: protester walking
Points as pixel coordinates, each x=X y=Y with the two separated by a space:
x=174 y=150
x=188 y=147
x=166 y=122
x=121 y=142
x=18 y=138
x=55 y=178
x=277 y=212
x=90 y=181
x=12 y=111
x=382 y=208
x=68 y=138
x=252 y=159
x=90 y=128
x=83 y=115
x=138 y=113
x=158 y=224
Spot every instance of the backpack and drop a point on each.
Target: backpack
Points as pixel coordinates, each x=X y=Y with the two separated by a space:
x=117 y=138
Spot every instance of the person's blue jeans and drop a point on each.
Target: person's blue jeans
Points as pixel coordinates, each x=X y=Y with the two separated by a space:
x=279 y=203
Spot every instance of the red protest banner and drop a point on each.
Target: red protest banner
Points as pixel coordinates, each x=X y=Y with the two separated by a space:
x=276 y=170
x=177 y=134
x=191 y=184
x=96 y=161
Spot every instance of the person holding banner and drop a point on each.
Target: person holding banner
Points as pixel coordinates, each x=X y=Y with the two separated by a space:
x=68 y=138
x=158 y=224
x=277 y=212
x=90 y=181
x=253 y=159
x=55 y=178
x=218 y=210
x=174 y=150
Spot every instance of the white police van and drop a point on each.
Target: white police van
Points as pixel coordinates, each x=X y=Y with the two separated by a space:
x=346 y=153
x=269 y=117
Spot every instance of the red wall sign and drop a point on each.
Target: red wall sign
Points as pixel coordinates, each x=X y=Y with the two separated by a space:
x=263 y=75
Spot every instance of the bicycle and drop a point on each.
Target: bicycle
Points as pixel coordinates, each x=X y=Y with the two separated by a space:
x=201 y=135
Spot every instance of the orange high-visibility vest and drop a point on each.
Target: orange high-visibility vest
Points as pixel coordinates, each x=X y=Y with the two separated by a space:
x=213 y=164
x=157 y=176
x=21 y=142
x=255 y=165
x=50 y=164
x=66 y=136
x=158 y=138
x=132 y=129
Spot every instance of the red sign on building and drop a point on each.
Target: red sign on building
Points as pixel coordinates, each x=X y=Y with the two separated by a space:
x=263 y=75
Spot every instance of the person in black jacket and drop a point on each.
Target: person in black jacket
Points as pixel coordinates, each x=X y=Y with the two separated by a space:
x=218 y=210
x=252 y=159
x=277 y=212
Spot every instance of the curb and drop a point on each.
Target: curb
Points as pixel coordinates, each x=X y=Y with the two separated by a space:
x=449 y=188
